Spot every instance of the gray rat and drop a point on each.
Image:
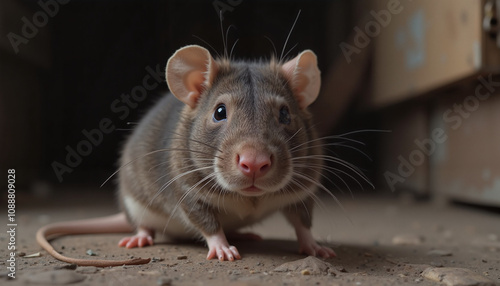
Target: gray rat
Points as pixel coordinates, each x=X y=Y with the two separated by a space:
x=233 y=146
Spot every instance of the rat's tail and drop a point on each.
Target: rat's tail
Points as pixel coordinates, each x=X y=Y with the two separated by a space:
x=110 y=224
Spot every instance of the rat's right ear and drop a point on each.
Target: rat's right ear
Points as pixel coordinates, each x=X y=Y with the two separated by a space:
x=304 y=76
x=190 y=70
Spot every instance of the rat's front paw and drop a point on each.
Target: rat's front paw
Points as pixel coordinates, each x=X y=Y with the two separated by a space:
x=223 y=252
x=315 y=249
x=144 y=237
x=219 y=248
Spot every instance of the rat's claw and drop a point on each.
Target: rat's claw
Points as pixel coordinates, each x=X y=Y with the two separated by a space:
x=315 y=249
x=144 y=237
x=219 y=248
x=222 y=253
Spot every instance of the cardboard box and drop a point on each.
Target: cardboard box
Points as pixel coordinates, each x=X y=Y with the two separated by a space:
x=401 y=163
x=424 y=45
x=466 y=165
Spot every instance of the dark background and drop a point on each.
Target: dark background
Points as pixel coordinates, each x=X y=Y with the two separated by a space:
x=65 y=79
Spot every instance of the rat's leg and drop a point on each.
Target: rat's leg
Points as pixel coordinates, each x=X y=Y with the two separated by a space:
x=308 y=245
x=205 y=219
x=244 y=236
x=143 y=237
x=300 y=218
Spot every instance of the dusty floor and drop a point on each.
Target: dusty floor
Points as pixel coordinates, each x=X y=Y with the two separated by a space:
x=365 y=236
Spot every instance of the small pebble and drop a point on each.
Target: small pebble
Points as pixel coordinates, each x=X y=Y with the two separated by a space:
x=91 y=253
x=67 y=266
x=312 y=264
x=407 y=239
x=164 y=281
x=456 y=276
x=55 y=277
x=305 y=272
x=342 y=269
x=439 y=252
x=87 y=270
x=436 y=264
x=181 y=257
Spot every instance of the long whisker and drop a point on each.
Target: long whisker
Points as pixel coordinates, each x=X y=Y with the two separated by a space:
x=291 y=49
x=311 y=194
x=333 y=170
x=222 y=33
x=168 y=183
x=340 y=162
x=322 y=187
x=288 y=37
x=154 y=152
x=206 y=43
x=322 y=174
x=195 y=196
x=232 y=48
x=274 y=47
x=339 y=144
x=322 y=144
x=204 y=160
x=183 y=197
x=294 y=134
x=191 y=139
x=353 y=148
x=227 y=37
x=364 y=130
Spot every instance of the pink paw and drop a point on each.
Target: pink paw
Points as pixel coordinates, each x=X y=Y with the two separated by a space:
x=223 y=252
x=315 y=249
x=219 y=248
x=142 y=238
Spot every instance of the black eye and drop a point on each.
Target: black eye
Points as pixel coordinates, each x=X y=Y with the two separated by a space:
x=284 y=115
x=220 y=113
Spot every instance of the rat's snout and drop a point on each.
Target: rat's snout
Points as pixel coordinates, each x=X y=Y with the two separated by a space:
x=253 y=163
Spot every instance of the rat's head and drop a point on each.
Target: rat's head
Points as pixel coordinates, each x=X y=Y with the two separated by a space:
x=246 y=120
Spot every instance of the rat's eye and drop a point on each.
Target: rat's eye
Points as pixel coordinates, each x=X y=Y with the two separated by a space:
x=220 y=113
x=284 y=115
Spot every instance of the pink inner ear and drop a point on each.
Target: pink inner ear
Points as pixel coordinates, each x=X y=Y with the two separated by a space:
x=194 y=81
x=304 y=76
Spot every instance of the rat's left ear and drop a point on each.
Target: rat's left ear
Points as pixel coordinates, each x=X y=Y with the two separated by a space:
x=304 y=76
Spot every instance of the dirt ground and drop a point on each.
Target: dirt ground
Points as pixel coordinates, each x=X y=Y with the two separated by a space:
x=378 y=240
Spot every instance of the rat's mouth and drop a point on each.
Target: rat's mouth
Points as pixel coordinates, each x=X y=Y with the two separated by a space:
x=251 y=191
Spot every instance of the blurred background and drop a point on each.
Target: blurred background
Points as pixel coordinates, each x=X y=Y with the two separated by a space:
x=75 y=74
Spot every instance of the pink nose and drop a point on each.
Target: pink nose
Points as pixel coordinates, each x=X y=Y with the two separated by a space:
x=253 y=163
